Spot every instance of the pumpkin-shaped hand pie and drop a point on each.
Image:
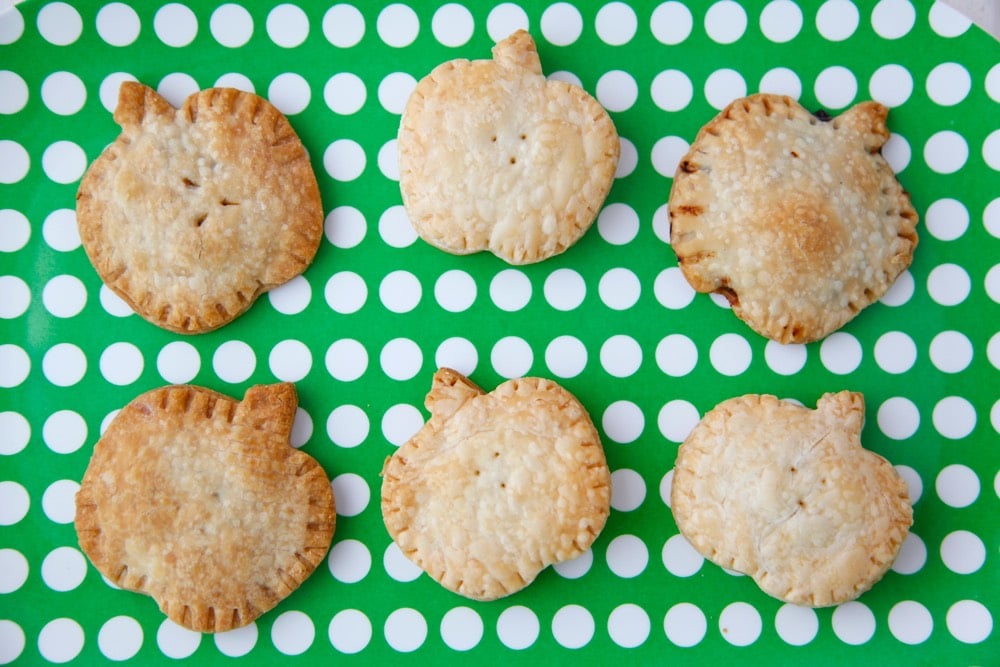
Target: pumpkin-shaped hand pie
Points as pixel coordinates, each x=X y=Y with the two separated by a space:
x=789 y=496
x=492 y=156
x=800 y=223
x=497 y=486
x=201 y=502
x=192 y=213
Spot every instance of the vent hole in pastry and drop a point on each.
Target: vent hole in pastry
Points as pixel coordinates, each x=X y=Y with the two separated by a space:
x=793 y=469
x=523 y=137
x=226 y=202
x=802 y=503
x=496 y=455
x=189 y=183
x=513 y=160
x=793 y=154
x=503 y=485
x=200 y=220
x=476 y=473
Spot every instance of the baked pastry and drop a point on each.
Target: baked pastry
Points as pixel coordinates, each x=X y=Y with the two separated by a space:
x=789 y=496
x=201 y=502
x=797 y=219
x=497 y=486
x=192 y=213
x=494 y=157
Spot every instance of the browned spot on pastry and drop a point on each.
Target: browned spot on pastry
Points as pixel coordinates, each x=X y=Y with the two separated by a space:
x=689 y=209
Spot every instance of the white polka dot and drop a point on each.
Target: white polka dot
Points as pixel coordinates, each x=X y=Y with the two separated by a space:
x=400 y=291
x=837 y=20
x=993 y=350
x=680 y=558
x=63 y=365
x=11 y=29
x=619 y=289
x=120 y=638
x=62 y=92
x=627 y=556
x=405 y=630
x=458 y=354
x=64 y=431
x=350 y=631
x=617 y=90
x=963 y=552
x=14 y=161
x=671 y=90
x=15 y=366
x=725 y=22
x=60 y=231
x=351 y=493
x=517 y=627
x=293 y=633
x=573 y=626
x=504 y=19
x=948 y=21
x=993 y=83
x=912 y=554
x=231 y=26
x=399 y=567
x=740 y=624
x=113 y=304
x=891 y=85
x=108 y=91
x=836 y=87
x=666 y=155
x=176 y=87
x=292 y=297
x=11 y=634
x=395 y=228
x=63 y=296
x=397 y=25
x=895 y=352
x=781 y=21
x=175 y=641
x=896 y=152
x=946 y=152
x=290 y=361
x=401 y=359
x=344 y=93
x=676 y=355
x=671 y=22
x=345 y=227
x=628 y=625
x=797 y=626
x=388 y=160
x=510 y=290
x=957 y=485
x=175 y=24
x=511 y=357
x=914 y=485
x=461 y=629
x=59 y=501
x=853 y=623
x=17 y=433
x=785 y=359
x=344 y=160
x=106 y=422
x=15 y=230
x=616 y=23
x=561 y=24
x=234 y=361
x=676 y=419
x=951 y=352
x=400 y=423
x=621 y=356
x=178 y=362
x=574 y=568
x=900 y=292
x=236 y=643
x=969 y=621
x=628 y=158
x=59 y=23
x=347 y=426
x=15 y=297
x=287 y=26
x=948 y=84
x=661 y=225
x=302 y=428
x=564 y=289
x=394 y=91
x=623 y=421
x=566 y=356
x=118 y=24
x=685 y=624
x=893 y=19
x=898 y=418
x=452 y=25
x=992 y=283
x=60 y=640
x=730 y=354
x=991 y=150
x=455 y=291
x=15 y=503
x=618 y=224
x=947 y=219
x=948 y=284
x=840 y=353
x=289 y=93
x=672 y=290
x=14 y=569
x=628 y=490
x=64 y=162
x=343 y=25
x=781 y=81
x=723 y=86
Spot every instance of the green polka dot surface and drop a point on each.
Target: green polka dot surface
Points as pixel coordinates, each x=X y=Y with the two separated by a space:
x=612 y=319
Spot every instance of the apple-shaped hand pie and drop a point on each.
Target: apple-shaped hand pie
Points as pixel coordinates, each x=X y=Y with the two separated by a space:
x=800 y=223
x=492 y=156
x=192 y=213
x=201 y=502
x=495 y=487
x=788 y=495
